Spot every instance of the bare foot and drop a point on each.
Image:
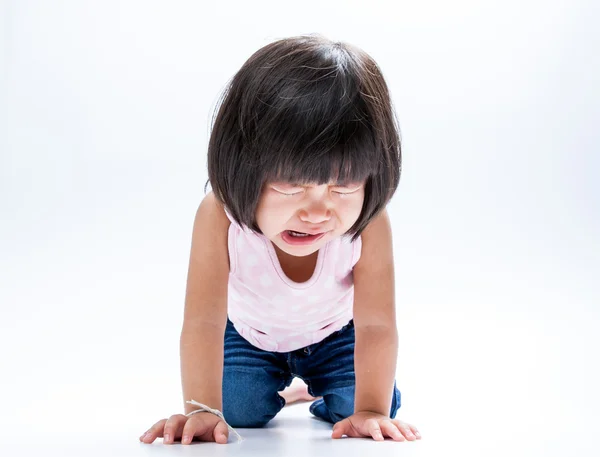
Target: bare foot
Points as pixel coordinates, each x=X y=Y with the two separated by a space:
x=296 y=392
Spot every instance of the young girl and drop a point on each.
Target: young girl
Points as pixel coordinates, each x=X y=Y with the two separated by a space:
x=291 y=270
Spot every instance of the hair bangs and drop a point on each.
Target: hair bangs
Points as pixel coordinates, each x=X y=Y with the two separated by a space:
x=341 y=165
x=337 y=146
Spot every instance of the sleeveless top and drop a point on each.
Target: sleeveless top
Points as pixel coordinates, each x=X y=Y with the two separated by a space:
x=276 y=314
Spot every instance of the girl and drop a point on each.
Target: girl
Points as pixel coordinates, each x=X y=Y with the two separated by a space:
x=291 y=269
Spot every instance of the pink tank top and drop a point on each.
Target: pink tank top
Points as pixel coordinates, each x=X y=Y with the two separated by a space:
x=276 y=314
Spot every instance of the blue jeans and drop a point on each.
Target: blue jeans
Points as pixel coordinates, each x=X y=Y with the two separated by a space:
x=252 y=378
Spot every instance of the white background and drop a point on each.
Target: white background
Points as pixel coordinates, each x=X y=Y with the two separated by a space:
x=104 y=123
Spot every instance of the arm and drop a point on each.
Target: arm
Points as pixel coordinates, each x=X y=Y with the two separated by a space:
x=376 y=346
x=205 y=315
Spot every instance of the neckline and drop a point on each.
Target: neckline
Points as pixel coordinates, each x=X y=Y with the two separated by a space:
x=295 y=285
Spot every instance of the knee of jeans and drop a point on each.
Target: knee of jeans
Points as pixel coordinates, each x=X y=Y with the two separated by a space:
x=247 y=412
x=247 y=403
x=340 y=406
x=244 y=419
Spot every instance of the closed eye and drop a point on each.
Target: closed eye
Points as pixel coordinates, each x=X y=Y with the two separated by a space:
x=289 y=194
x=347 y=192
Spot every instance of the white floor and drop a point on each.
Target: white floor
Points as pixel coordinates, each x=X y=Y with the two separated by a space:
x=526 y=386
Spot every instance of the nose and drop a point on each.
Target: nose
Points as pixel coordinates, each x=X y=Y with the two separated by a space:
x=315 y=213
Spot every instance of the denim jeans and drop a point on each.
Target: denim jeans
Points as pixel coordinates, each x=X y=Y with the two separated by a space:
x=252 y=378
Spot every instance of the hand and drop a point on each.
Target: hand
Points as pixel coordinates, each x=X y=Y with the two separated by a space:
x=368 y=424
x=203 y=426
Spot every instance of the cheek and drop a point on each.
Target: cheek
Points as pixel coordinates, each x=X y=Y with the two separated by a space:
x=356 y=213
x=262 y=211
x=351 y=210
x=355 y=205
x=270 y=214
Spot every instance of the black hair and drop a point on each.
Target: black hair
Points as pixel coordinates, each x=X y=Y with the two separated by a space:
x=304 y=109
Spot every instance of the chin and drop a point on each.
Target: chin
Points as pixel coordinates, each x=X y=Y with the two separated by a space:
x=299 y=254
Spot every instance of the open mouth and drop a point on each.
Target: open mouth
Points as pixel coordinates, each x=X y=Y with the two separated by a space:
x=292 y=233
x=300 y=238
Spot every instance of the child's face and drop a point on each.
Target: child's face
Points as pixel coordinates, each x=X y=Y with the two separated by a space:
x=325 y=210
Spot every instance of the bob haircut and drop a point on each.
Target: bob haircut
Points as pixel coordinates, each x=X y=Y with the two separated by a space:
x=304 y=109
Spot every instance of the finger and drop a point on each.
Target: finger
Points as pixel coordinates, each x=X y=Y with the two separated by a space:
x=221 y=433
x=415 y=431
x=153 y=432
x=405 y=429
x=192 y=428
x=390 y=429
x=374 y=429
x=345 y=427
x=172 y=430
x=339 y=429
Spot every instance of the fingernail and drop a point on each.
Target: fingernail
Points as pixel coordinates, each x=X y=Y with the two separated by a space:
x=167 y=437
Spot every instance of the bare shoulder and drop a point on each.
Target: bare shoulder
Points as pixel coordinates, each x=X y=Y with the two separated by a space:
x=377 y=247
x=212 y=209
x=211 y=223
